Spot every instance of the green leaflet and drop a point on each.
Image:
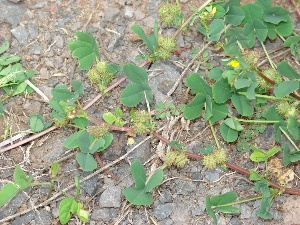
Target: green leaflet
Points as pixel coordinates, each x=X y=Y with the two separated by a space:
x=85 y=49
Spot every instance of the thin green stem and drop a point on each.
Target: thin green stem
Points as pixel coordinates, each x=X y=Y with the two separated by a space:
x=214 y=134
x=256 y=121
x=281 y=37
x=288 y=137
x=273 y=98
x=239 y=202
x=268 y=57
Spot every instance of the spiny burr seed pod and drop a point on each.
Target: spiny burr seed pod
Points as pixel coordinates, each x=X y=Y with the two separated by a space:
x=99 y=130
x=251 y=57
x=220 y=156
x=167 y=13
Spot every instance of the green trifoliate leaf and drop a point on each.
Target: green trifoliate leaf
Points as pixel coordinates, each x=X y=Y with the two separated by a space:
x=85 y=49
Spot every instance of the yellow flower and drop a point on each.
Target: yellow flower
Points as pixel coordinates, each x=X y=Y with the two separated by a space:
x=234 y=63
x=130 y=141
x=213 y=11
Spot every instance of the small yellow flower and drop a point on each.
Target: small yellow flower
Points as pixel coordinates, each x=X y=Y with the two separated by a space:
x=130 y=141
x=213 y=11
x=234 y=63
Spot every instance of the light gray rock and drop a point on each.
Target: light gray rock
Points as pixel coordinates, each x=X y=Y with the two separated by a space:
x=59 y=41
x=11 y=12
x=246 y=211
x=184 y=187
x=40 y=4
x=20 y=33
x=139 y=15
x=200 y=207
x=162 y=80
x=110 y=198
x=15 y=1
x=165 y=197
x=143 y=152
x=162 y=211
x=181 y=213
x=111 y=13
x=90 y=186
x=32 y=107
x=212 y=175
x=24 y=219
x=104 y=215
x=56 y=152
x=33 y=31
x=36 y=49
x=128 y=12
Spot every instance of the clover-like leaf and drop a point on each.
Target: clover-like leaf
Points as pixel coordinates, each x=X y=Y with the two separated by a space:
x=61 y=92
x=286 y=87
x=198 y=85
x=194 y=108
x=85 y=49
x=286 y=70
x=219 y=112
x=272 y=151
x=135 y=74
x=139 y=174
x=222 y=199
x=132 y=95
x=109 y=117
x=254 y=176
x=229 y=135
x=208 y=108
x=209 y=210
x=67 y=207
x=221 y=91
x=233 y=124
x=4 y=47
x=72 y=140
x=140 y=32
x=275 y=15
x=86 y=161
x=36 y=123
x=108 y=139
x=258 y=155
x=215 y=30
x=234 y=16
x=242 y=104
x=137 y=197
x=78 y=87
x=154 y=180
x=7 y=192
x=20 y=178
x=293 y=126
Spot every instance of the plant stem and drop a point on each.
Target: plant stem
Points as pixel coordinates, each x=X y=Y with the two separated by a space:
x=273 y=98
x=256 y=121
x=268 y=57
x=239 y=202
x=282 y=38
x=190 y=18
x=288 y=137
x=214 y=134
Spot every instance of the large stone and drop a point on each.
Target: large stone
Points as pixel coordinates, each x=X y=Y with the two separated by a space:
x=90 y=186
x=162 y=79
x=11 y=12
x=162 y=211
x=110 y=198
x=20 y=33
